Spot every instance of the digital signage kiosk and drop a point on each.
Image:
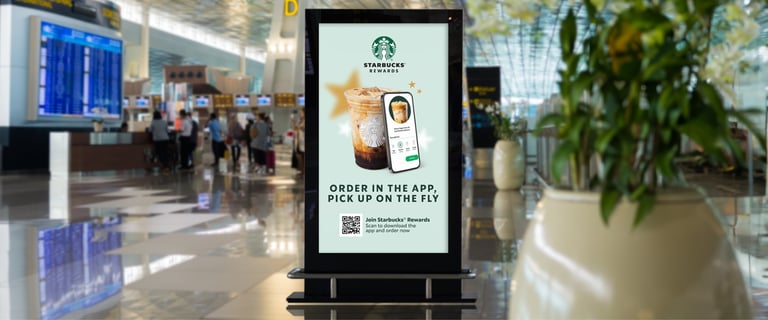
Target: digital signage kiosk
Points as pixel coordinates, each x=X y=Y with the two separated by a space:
x=383 y=157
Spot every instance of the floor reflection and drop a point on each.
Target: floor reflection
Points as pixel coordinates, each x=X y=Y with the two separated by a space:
x=209 y=245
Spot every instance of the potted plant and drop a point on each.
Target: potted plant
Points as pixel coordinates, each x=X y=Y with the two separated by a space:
x=624 y=236
x=508 y=155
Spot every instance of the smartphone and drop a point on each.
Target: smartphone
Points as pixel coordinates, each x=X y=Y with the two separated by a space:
x=402 y=141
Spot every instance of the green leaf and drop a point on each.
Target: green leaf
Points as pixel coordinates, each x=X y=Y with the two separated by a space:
x=665 y=163
x=700 y=131
x=604 y=139
x=609 y=198
x=706 y=7
x=576 y=128
x=554 y=119
x=675 y=113
x=666 y=135
x=645 y=129
x=644 y=207
x=568 y=33
x=560 y=158
x=638 y=192
x=681 y=5
x=646 y=19
x=666 y=101
x=711 y=98
x=735 y=150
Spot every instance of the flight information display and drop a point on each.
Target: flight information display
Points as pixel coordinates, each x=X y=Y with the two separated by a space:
x=74 y=268
x=80 y=74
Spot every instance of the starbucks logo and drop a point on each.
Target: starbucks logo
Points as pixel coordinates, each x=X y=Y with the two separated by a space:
x=372 y=131
x=383 y=48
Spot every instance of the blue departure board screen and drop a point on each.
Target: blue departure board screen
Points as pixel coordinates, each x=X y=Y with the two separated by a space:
x=242 y=100
x=74 y=268
x=80 y=74
x=263 y=100
x=142 y=102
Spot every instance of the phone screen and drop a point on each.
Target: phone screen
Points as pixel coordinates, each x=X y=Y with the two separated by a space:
x=403 y=144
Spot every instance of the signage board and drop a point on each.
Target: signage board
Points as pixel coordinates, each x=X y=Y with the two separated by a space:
x=391 y=212
x=143 y=102
x=73 y=73
x=103 y=13
x=242 y=100
x=263 y=100
x=383 y=167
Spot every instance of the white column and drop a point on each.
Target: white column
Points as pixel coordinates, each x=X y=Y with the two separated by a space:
x=284 y=68
x=242 y=59
x=5 y=272
x=5 y=68
x=144 y=42
x=136 y=57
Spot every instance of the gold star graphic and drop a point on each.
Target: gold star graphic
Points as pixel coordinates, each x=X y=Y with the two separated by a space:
x=338 y=91
x=412 y=84
x=418 y=91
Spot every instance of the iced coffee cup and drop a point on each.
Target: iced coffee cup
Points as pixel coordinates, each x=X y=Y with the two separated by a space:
x=399 y=111
x=368 y=129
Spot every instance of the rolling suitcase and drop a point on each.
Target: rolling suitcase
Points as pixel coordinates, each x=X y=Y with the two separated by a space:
x=270 y=161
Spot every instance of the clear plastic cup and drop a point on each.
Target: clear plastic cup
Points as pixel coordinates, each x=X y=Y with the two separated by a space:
x=368 y=128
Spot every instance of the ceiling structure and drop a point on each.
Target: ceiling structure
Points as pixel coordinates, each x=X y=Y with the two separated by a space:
x=529 y=58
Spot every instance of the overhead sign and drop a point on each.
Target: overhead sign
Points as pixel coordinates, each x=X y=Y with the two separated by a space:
x=104 y=13
x=291 y=8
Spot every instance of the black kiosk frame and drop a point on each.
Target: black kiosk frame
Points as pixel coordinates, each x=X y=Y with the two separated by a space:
x=383 y=277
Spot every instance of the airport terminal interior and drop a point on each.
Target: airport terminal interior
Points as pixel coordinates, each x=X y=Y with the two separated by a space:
x=95 y=224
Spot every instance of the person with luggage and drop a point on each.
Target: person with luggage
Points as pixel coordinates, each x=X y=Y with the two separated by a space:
x=185 y=139
x=159 y=129
x=247 y=137
x=259 y=135
x=235 y=133
x=217 y=141
x=271 y=157
x=299 y=143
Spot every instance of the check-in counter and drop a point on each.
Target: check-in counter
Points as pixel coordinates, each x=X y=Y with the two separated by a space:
x=98 y=151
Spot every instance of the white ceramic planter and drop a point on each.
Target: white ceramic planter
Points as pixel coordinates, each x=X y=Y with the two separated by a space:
x=509 y=215
x=677 y=263
x=508 y=165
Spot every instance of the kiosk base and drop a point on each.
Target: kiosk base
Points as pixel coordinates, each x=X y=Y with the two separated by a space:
x=380 y=311
x=299 y=297
x=436 y=288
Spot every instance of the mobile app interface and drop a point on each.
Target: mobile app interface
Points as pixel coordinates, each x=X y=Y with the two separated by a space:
x=403 y=144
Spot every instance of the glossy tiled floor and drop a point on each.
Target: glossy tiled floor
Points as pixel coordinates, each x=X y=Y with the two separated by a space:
x=216 y=245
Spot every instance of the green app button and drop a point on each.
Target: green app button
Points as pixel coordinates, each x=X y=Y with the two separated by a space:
x=411 y=158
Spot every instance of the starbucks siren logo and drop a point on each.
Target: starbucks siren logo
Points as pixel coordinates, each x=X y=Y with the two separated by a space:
x=383 y=48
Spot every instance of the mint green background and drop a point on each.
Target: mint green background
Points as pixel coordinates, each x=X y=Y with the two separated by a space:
x=343 y=48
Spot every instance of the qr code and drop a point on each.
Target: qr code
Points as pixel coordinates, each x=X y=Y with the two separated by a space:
x=350 y=225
